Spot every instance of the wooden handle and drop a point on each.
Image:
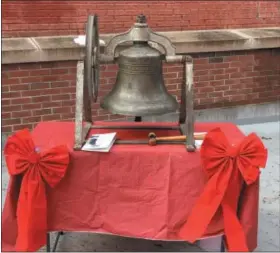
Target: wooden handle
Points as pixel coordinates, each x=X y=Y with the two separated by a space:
x=180 y=137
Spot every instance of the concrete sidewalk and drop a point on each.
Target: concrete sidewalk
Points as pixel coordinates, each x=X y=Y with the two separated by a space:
x=269 y=214
x=269 y=217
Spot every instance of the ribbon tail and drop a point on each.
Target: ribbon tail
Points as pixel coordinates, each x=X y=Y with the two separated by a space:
x=203 y=211
x=235 y=236
x=9 y=221
x=31 y=213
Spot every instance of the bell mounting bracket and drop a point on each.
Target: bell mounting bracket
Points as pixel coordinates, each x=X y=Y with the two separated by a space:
x=140 y=31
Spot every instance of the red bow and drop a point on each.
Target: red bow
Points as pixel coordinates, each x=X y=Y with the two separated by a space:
x=36 y=170
x=227 y=167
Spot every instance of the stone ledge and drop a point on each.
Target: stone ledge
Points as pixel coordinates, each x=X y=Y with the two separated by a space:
x=63 y=48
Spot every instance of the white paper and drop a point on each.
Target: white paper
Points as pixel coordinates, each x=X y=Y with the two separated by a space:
x=103 y=142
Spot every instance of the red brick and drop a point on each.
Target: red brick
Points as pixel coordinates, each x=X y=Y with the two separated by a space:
x=206 y=89
x=11 y=108
x=39 y=112
x=202 y=72
x=252 y=74
x=30 y=106
x=232 y=81
x=60 y=84
x=217 y=83
x=215 y=94
x=236 y=86
x=70 y=77
x=221 y=65
x=237 y=97
x=206 y=100
x=7 y=122
x=222 y=77
x=68 y=90
x=103 y=117
x=62 y=110
x=19 y=101
x=10 y=95
x=5 y=102
x=5 y=75
x=67 y=116
x=65 y=64
x=246 y=58
x=201 y=61
x=31 y=79
x=221 y=99
x=231 y=70
x=51 y=78
x=10 y=81
x=41 y=99
x=206 y=78
x=31 y=93
x=19 y=73
x=6 y=115
x=31 y=119
x=29 y=66
x=202 y=67
x=232 y=92
x=51 y=117
x=170 y=82
x=9 y=67
x=252 y=96
x=170 y=75
x=22 y=126
x=217 y=71
x=39 y=72
x=60 y=97
x=199 y=95
x=6 y=129
x=39 y=86
x=231 y=58
x=60 y=71
x=19 y=87
x=221 y=88
x=51 y=104
x=21 y=114
x=237 y=75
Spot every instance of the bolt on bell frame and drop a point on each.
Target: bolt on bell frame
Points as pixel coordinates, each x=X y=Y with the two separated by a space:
x=87 y=83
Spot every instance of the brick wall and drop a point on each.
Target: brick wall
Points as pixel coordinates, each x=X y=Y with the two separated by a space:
x=41 y=18
x=46 y=91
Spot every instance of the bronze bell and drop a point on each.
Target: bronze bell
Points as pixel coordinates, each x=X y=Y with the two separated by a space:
x=139 y=89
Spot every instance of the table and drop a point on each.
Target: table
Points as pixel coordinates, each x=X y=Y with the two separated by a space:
x=136 y=191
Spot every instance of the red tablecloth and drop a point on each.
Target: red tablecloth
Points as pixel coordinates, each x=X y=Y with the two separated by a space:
x=134 y=190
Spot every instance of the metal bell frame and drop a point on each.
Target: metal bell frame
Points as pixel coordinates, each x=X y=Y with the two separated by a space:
x=87 y=82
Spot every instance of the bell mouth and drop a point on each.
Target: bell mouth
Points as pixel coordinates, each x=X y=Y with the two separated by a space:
x=149 y=108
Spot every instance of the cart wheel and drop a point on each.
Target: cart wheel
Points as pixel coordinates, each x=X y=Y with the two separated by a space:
x=91 y=68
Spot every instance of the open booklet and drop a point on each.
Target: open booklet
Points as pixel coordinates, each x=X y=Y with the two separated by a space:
x=100 y=142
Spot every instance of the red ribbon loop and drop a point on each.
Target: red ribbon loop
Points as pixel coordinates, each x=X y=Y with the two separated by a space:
x=227 y=167
x=31 y=203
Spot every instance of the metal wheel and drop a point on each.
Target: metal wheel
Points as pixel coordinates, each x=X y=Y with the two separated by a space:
x=91 y=68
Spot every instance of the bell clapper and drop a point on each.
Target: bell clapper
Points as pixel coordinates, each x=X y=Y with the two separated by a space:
x=138 y=119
